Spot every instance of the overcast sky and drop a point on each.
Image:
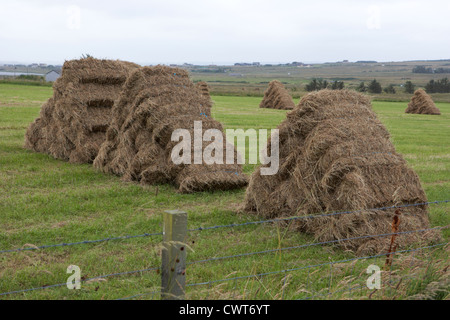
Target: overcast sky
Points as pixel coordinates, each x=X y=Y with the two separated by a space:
x=224 y=31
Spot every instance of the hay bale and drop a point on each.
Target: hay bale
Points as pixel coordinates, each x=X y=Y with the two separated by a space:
x=73 y=123
x=277 y=97
x=421 y=103
x=336 y=155
x=156 y=101
x=203 y=87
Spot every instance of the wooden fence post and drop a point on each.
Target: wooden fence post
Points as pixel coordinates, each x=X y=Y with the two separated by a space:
x=173 y=268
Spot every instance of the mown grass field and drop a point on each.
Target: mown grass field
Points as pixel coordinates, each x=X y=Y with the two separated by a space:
x=46 y=201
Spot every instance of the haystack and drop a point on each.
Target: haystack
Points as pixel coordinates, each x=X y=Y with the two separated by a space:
x=421 y=103
x=73 y=123
x=156 y=101
x=335 y=155
x=204 y=88
x=277 y=97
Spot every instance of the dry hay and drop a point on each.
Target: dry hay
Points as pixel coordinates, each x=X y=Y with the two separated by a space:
x=335 y=155
x=203 y=87
x=277 y=97
x=73 y=123
x=421 y=103
x=156 y=101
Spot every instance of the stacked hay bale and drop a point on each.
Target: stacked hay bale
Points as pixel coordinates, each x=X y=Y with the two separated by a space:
x=421 y=103
x=155 y=102
x=277 y=97
x=42 y=132
x=73 y=123
x=203 y=87
x=335 y=155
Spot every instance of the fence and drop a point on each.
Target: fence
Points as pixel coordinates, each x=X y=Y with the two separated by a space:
x=174 y=261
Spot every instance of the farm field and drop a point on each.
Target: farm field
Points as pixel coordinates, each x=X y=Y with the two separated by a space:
x=44 y=201
x=253 y=80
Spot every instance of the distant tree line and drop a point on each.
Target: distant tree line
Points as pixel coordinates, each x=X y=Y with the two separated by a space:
x=374 y=87
x=319 y=84
x=30 y=77
x=433 y=86
x=390 y=89
x=424 y=69
x=24 y=79
x=442 y=70
x=212 y=70
x=438 y=86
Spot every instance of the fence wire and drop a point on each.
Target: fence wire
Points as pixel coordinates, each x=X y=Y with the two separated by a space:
x=243 y=254
x=83 y=242
x=233 y=225
x=284 y=271
x=81 y=281
x=313 y=216
x=315 y=244
x=259 y=275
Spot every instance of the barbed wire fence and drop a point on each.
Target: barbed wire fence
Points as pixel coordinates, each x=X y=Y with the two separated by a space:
x=173 y=274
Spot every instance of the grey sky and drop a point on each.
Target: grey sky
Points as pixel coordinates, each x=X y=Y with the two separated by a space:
x=224 y=31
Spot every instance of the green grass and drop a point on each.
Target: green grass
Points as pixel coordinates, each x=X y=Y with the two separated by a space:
x=12 y=95
x=47 y=201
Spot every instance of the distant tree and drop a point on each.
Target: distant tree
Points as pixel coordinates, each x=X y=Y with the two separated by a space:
x=422 y=69
x=362 y=87
x=337 y=85
x=374 y=87
x=409 y=87
x=389 y=89
x=439 y=86
x=312 y=85
x=442 y=70
x=444 y=85
x=430 y=87
x=316 y=85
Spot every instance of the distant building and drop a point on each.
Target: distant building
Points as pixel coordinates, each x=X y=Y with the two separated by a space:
x=52 y=76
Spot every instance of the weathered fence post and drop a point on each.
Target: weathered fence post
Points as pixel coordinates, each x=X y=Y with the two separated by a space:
x=173 y=268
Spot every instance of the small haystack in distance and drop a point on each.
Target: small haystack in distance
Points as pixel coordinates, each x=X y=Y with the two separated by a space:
x=421 y=103
x=204 y=88
x=155 y=102
x=73 y=123
x=335 y=155
x=277 y=97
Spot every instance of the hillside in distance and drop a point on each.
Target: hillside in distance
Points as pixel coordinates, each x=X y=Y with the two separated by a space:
x=251 y=79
